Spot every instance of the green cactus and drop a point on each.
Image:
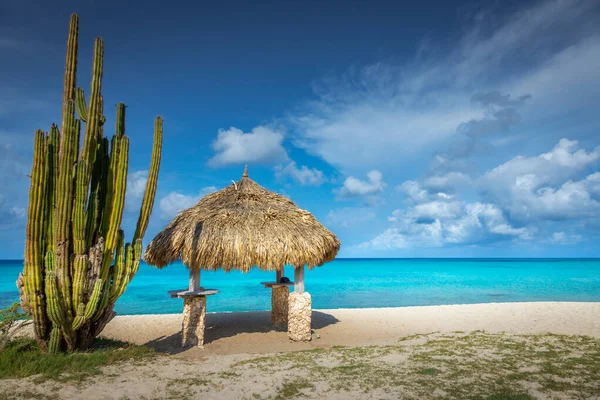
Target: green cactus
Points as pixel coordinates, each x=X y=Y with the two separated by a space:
x=77 y=263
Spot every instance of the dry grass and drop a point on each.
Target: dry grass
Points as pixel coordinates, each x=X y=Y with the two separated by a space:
x=242 y=226
x=476 y=366
x=458 y=366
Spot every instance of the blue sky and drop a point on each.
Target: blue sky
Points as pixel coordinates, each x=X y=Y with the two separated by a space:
x=427 y=129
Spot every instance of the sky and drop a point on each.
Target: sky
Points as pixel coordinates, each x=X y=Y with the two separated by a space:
x=409 y=129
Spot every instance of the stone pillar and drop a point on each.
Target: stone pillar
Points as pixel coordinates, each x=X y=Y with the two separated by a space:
x=279 y=305
x=194 y=314
x=299 y=316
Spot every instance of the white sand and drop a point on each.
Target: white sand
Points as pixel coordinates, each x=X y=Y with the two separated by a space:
x=234 y=337
x=250 y=332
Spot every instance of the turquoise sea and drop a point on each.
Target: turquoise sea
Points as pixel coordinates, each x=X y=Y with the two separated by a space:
x=357 y=283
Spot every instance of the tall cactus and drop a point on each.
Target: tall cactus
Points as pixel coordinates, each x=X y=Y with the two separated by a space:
x=77 y=263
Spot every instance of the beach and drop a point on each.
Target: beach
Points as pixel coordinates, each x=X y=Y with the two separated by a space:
x=535 y=350
x=251 y=332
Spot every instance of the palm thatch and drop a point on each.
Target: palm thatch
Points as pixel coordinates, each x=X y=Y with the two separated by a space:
x=242 y=226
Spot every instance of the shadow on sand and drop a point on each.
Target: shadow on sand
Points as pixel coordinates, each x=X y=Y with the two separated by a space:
x=224 y=325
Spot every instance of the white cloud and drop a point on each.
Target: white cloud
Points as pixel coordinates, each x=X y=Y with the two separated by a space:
x=436 y=224
x=413 y=190
x=565 y=238
x=368 y=190
x=526 y=198
x=435 y=210
x=446 y=182
x=546 y=186
x=263 y=145
x=390 y=239
x=136 y=184
x=384 y=115
x=175 y=202
x=303 y=175
x=349 y=217
x=417 y=193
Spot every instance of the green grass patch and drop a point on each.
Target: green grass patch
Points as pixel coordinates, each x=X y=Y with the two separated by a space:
x=507 y=395
x=23 y=358
x=477 y=366
x=293 y=389
x=428 y=371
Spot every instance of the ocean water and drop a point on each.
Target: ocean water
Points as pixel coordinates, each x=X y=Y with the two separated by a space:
x=357 y=283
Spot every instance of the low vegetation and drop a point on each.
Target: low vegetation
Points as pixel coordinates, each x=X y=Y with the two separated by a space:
x=23 y=357
x=475 y=366
x=457 y=366
x=12 y=320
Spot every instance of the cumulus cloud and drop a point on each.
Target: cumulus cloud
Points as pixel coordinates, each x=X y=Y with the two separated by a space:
x=446 y=182
x=136 y=184
x=436 y=224
x=368 y=190
x=565 y=238
x=349 y=217
x=434 y=188
x=175 y=202
x=263 y=145
x=303 y=175
x=523 y=199
x=553 y=185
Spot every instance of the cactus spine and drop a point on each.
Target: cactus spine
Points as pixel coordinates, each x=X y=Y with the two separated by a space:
x=77 y=263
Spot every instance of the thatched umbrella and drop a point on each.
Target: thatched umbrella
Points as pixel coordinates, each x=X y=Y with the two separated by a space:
x=240 y=227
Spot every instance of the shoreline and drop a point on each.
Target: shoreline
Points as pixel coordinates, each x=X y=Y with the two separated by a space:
x=377 y=308
x=250 y=332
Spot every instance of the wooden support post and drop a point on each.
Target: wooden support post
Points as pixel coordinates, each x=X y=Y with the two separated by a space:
x=278 y=275
x=194 y=280
x=299 y=279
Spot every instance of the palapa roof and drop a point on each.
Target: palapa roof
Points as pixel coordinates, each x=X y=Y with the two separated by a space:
x=242 y=226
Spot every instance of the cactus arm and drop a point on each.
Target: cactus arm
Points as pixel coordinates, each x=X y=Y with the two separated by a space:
x=79 y=279
x=81 y=106
x=33 y=264
x=54 y=345
x=64 y=203
x=118 y=270
x=90 y=307
x=92 y=220
x=76 y=141
x=120 y=128
x=88 y=151
x=70 y=66
x=52 y=176
x=102 y=118
x=56 y=312
x=128 y=268
x=118 y=204
x=118 y=194
x=137 y=256
x=151 y=183
x=111 y=175
x=79 y=218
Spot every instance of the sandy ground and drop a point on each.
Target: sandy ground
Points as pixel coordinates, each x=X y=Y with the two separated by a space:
x=251 y=333
x=415 y=353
